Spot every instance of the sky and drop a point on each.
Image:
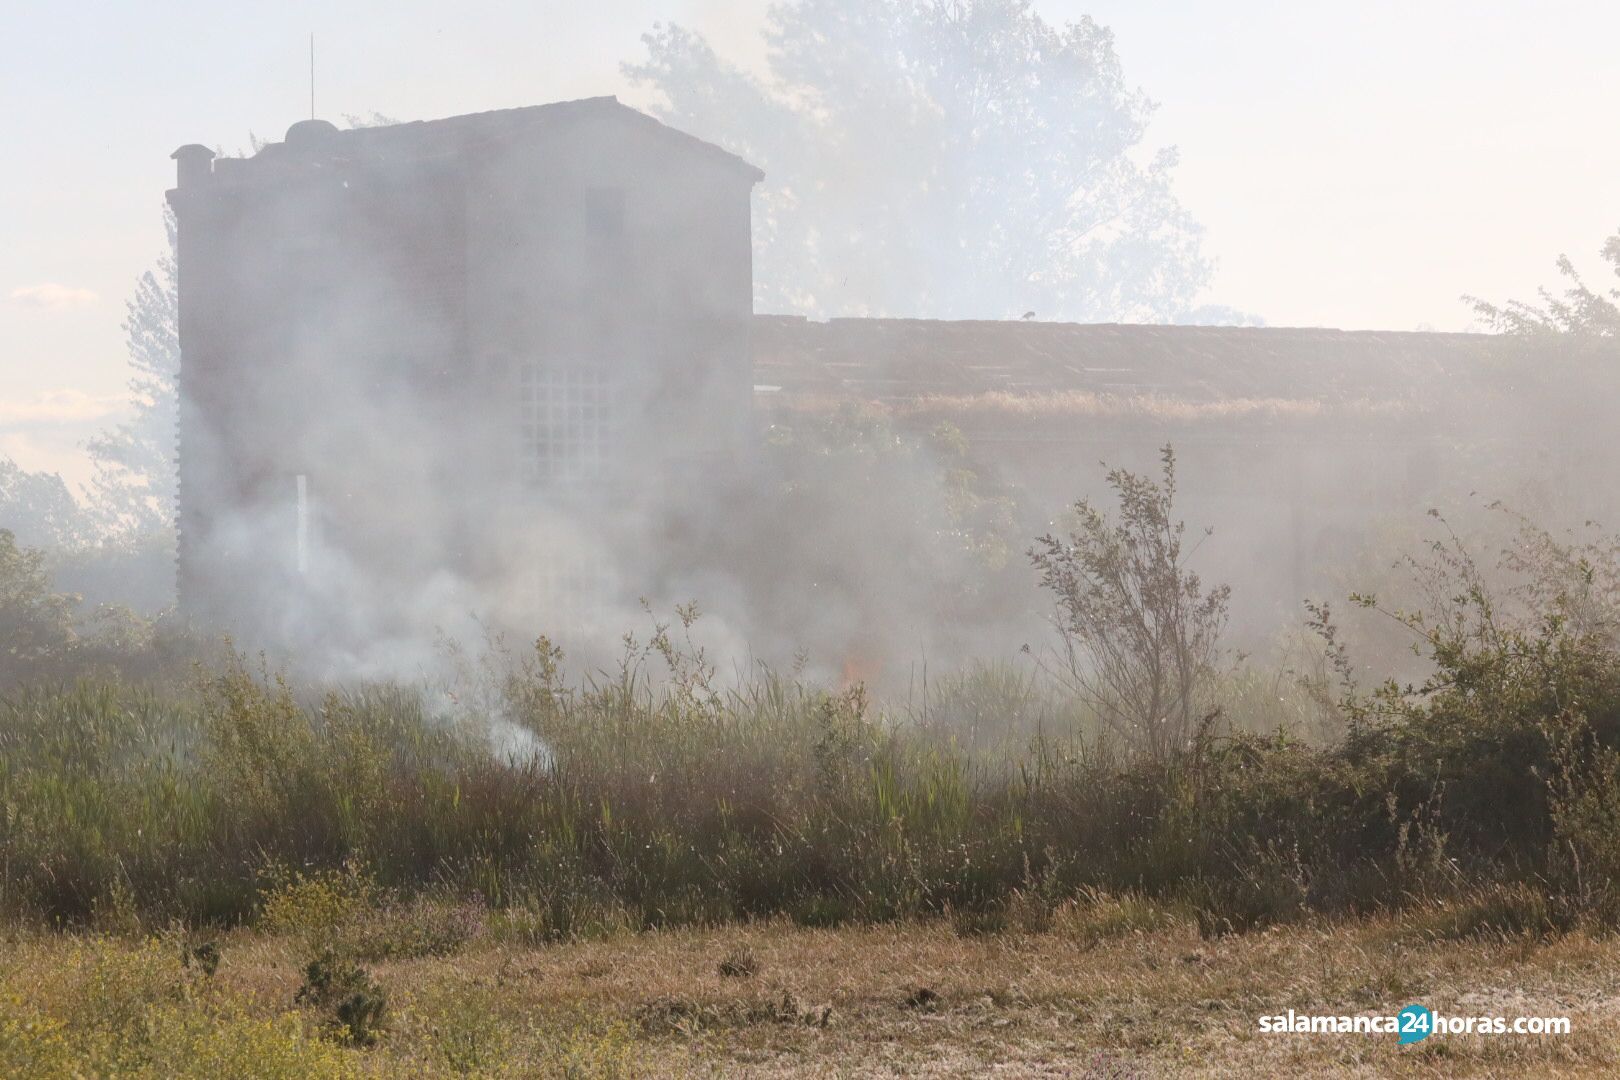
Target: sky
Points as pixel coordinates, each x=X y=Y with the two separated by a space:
x=1354 y=165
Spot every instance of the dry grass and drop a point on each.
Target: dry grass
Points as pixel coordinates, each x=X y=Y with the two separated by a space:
x=1068 y=1001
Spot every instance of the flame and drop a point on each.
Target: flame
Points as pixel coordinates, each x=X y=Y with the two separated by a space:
x=860 y=669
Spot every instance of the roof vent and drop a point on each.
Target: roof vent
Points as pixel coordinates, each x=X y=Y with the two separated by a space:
x=310 y=134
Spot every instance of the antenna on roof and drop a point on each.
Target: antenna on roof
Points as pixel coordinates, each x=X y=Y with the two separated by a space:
x=312 y=74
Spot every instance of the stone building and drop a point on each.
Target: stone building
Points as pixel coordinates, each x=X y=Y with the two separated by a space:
x=404 y=347
x=508 y=361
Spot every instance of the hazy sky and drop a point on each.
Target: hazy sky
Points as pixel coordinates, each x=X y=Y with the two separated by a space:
x=1355 y=165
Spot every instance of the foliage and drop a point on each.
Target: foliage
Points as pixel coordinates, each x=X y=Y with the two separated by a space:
x=382 y=822
x=347 y=995
x=466 y=1028
x=1138 y=631
x=345 y=911
x=36 y=622
x=316 y=906
x=101 y=1007
x=39 y=510
x=204 y=955
x=941 y=159
x=1579 y=309
x=47 y=634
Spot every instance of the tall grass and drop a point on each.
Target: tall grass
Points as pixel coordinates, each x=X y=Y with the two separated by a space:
x=626 y=803
x=563 y=807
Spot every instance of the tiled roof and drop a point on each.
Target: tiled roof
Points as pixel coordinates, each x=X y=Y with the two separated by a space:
x=905 y=360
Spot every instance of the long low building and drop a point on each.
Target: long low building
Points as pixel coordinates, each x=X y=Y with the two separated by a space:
x=1294 y=444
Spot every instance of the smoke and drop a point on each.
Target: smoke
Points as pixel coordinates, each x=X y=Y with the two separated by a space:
x=496 y=374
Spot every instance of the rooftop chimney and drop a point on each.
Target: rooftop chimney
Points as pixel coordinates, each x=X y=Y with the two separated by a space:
x=195 y=164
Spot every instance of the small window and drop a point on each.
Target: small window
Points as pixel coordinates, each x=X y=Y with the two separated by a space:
x=604 y=212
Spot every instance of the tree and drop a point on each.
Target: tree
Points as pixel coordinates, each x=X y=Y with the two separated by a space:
x=38 y=509
x=1139 y=633
x=36 y=622
x=132 y=493
x=1578 y=310
x=942 y=158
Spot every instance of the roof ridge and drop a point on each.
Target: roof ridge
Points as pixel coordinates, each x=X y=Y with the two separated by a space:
x=491 y=122
x=1028 y=326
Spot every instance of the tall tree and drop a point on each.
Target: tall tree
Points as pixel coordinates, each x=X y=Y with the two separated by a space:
x=942 y=158
x=133 y=490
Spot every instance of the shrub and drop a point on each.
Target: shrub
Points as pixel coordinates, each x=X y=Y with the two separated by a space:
x=34 y=1045
x=346 y=995
x=191 y=1044
x=89 y=1006
x=370 y=823
x=204 y=956
x=317 y=906
x=1138 y=631
x=422 y=926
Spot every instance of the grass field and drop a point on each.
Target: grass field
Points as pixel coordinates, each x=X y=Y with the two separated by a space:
x=658 y=873
x=1088 y=996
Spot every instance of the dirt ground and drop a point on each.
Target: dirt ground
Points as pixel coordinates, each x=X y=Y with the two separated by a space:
x=929 y=1001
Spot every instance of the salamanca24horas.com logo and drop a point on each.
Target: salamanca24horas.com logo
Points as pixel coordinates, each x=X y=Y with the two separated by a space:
x=1413 y=1024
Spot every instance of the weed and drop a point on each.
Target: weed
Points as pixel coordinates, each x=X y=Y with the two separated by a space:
x=204 y=956
x=347 y=995
x=739 y=963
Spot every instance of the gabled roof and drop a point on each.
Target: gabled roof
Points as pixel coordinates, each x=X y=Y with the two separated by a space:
x=462 y=134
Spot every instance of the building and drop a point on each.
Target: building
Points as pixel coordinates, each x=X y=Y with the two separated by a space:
x=1297 y=446
x=508 y=362
x=404 y=348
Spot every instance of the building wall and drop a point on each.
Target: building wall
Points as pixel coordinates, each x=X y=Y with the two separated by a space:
x=370 y=341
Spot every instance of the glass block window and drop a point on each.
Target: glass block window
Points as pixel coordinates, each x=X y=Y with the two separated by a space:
x=566 y=422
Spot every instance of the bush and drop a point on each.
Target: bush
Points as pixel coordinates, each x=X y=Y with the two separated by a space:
x=317 y=906
x=1139 y=633
x=346 y=995
x=103 y=1007
x=372 y=823
x=466 y=1030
